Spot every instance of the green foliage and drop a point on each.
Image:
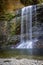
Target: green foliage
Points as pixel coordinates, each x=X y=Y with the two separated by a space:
x=31 y=2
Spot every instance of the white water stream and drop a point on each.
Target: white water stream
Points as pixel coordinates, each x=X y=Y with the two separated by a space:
x=27 y=13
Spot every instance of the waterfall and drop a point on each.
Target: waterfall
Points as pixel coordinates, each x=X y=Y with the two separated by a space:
x=35 y=25
x=22 y=25
x=30 y=22
x=27 y=13
x=29 y=26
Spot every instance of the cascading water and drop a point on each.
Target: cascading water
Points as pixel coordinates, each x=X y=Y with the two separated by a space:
x=27 y=13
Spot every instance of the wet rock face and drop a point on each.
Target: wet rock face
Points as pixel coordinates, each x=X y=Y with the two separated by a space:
x=39 y=13
x=20 y=62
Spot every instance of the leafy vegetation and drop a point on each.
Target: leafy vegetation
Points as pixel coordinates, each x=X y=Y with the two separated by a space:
x=31 y=2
